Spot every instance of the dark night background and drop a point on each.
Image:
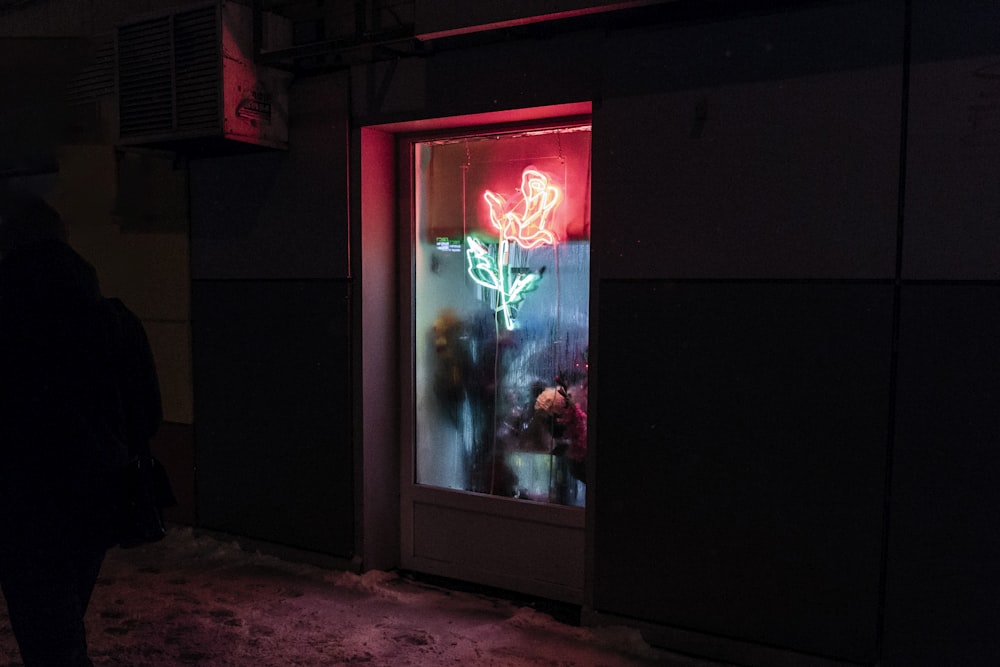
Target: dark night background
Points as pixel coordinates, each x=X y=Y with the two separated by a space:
x=795 y=310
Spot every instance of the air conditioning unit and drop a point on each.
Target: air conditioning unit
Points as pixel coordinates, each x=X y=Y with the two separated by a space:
x=187 y=80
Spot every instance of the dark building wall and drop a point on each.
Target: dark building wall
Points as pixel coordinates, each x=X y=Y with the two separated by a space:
x=752 y=307
x=942 y=584
x=33 y=74
x=745 y=214
x=740 y=478
x=271 y=334
x=745 y=223
x=794 y=368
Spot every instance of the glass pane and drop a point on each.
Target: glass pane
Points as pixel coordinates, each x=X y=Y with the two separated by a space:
x=502 y=277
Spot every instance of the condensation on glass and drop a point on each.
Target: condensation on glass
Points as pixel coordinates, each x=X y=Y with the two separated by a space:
x=501 y=307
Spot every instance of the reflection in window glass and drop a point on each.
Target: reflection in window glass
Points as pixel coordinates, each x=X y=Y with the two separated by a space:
x=502 y=275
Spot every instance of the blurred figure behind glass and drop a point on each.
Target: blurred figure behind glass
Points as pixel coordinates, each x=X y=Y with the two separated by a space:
x=65 y=425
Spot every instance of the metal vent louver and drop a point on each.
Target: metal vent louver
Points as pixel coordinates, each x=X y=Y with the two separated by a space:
x=188 y=80
x=168 y=74
x=196 y=53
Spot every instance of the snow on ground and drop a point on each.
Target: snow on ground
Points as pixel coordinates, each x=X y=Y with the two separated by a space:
x=195 y=600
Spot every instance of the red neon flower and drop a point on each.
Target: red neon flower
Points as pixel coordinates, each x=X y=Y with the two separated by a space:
x=526 y=217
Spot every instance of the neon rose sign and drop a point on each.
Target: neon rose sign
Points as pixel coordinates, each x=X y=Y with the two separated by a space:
x=524 y=220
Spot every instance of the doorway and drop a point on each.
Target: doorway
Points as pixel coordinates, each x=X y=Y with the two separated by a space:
x=496 y=293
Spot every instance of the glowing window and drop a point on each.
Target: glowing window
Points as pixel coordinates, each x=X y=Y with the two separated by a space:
x=501 y=308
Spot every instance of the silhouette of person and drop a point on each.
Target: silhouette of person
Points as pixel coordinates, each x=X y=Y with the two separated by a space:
x=64 y=430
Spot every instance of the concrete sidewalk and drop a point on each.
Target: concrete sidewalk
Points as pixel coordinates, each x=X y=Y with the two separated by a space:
x=196 y=600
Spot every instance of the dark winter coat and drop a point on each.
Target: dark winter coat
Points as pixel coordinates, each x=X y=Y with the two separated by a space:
x=71 y=362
